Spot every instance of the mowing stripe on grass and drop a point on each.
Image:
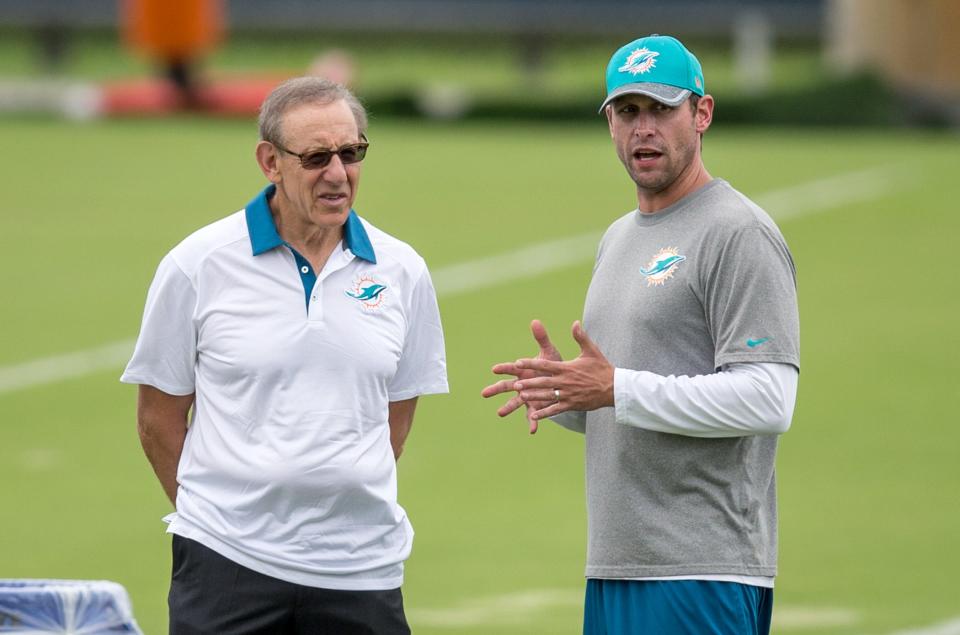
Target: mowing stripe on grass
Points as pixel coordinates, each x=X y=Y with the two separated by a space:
x=527 y=262
x=509 y=609
x=950 y=627
x=831 y=192
x=59 y=367
x=783 y=204
x=788 y=618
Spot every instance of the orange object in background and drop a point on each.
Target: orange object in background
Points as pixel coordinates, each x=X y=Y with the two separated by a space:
x=172 y=30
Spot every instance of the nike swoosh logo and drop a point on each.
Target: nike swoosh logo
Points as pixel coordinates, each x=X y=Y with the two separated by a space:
x=753 y=343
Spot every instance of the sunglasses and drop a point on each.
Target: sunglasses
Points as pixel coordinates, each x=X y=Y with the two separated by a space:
x=353 y=153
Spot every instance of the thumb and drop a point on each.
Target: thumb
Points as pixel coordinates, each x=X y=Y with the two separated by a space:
x=540 y=334
x=586 y=344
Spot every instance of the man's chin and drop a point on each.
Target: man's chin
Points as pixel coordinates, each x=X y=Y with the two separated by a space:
x=330 y=217
x=650 y=182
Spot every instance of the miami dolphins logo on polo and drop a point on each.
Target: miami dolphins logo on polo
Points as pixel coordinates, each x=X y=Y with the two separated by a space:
x=662 y=267
x=639 y=61
x=368 y=292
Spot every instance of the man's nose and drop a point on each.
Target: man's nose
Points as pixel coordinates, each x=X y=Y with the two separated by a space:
x=645 y=124
x=335 y=171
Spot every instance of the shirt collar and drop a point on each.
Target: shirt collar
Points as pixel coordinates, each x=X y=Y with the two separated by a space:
x=264 y=236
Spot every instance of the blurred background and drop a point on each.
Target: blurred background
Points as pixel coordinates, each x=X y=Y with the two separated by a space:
x=864 y=62
x=127 y=125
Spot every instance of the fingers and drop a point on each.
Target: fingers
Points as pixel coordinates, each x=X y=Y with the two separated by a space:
x=581 y=337
x=506 y=368
x=518 y=400
x=510 y=407
x=540 y=334
x=553 y=409
x=530 y=383
x=533 y=389
x=500 y=387
x=545 y=396
x=532 y=407
x=539 y=365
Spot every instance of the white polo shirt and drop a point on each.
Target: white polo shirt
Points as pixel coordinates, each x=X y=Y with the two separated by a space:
x=287 y=467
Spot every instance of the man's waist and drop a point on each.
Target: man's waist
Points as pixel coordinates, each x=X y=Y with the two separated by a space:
x=333 y=556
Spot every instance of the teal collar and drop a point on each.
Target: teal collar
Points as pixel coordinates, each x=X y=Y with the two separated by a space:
x=264 y=236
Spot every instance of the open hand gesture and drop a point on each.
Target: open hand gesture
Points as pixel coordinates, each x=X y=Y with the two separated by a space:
x=548 y=352
x=549 y=386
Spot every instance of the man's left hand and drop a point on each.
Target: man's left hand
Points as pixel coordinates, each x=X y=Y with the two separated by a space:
x=584 y=383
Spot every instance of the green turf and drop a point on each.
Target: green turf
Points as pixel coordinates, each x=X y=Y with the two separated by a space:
x=868 y=474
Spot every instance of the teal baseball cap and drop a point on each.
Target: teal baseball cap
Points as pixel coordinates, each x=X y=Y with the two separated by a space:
x=657 y=66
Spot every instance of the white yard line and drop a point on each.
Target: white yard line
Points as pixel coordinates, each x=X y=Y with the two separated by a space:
x=798 y=618
x=47 y=370
x=831 y=192
x=501 y=610
x=950 y=627
x=783 y=204
x=527 y=262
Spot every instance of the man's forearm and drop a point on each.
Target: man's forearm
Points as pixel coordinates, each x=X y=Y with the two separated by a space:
x=163 y=451
x=400 y=415
x=162 y=426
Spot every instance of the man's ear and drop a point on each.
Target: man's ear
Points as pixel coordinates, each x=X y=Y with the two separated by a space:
x=608 y=111
x=703 y=117
x=268 y=158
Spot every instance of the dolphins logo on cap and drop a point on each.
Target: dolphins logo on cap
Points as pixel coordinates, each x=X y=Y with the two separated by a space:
x=639 y=61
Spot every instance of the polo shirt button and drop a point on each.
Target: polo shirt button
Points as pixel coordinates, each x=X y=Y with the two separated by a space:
x=305 y=269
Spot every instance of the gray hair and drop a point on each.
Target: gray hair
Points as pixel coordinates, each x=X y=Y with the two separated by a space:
x=304 y=90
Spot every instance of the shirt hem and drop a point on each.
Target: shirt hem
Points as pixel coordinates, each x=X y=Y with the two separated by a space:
x=141 y=380
x=750 y=580
x=335 y=583
x=673 y=571
x=433 y=389
x=739 y=358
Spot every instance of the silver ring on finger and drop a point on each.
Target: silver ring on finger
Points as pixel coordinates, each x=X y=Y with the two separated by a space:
x=556 y=394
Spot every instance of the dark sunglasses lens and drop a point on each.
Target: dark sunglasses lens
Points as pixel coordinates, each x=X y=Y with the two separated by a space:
x=316 y=160
x=321 y=158
x=352 y=154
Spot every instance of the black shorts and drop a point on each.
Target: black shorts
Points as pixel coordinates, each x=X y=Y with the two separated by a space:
x=212 y=595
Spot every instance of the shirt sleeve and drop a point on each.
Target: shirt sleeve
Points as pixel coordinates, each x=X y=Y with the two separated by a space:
x=166 y=352
x=751 y=300
x=741 y=400
x=423 y=365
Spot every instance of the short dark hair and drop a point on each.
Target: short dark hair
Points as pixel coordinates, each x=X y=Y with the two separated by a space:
x=304 y=90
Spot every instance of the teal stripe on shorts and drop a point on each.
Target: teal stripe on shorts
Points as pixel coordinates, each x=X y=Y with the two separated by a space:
x=675 y=607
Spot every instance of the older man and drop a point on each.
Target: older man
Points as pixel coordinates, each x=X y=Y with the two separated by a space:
x=687 y=378
x=300 y=336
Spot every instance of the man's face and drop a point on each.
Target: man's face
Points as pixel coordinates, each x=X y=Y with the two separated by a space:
x=656 y=143
x=322 y=197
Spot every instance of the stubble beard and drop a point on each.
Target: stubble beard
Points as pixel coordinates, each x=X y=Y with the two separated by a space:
x=676 y=159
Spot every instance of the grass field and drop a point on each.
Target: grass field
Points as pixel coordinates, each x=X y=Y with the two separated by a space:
x=868 y=474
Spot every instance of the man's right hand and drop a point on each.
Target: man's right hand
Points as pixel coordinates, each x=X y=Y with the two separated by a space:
x=547 y=352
